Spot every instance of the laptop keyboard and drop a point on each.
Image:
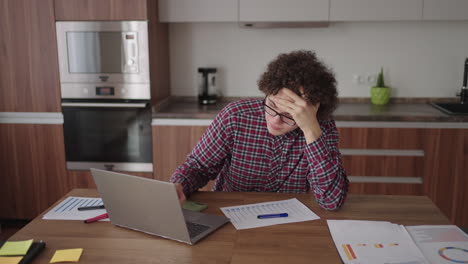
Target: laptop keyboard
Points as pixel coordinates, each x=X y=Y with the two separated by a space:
x=196 y=229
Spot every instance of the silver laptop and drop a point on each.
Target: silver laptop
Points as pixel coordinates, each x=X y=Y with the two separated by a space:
x=153 y=207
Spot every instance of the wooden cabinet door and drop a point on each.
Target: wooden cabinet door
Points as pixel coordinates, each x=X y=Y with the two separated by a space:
x=100 y=10
x=32 y=166
x=198 y=10
x=283 y=11
x=29 y=75
x=445 y=10
x=171 y=145
x=375 y=10
x=383 y=160
x=446 y=181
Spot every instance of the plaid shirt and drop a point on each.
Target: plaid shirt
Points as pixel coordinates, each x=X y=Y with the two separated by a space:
x=243 y=156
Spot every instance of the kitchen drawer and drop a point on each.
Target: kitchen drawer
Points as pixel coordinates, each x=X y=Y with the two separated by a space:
x=385 y=188
x=381 y=138
x=384 y=166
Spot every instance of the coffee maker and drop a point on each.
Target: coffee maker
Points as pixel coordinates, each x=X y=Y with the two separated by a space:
x=207 y=93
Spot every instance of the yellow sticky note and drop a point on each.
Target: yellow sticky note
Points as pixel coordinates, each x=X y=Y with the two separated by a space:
x=10 y=260
x=67 y=255
x=15 y=248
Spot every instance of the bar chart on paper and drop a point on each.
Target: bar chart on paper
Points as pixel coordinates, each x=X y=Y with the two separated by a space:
x=68 y=209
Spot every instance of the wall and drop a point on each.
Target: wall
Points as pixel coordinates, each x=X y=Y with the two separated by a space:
x=420 y=59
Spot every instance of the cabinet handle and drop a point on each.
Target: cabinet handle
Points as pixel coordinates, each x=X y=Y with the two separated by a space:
x=129 y=105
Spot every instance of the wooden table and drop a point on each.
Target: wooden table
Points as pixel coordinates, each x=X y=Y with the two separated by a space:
x=304 y=242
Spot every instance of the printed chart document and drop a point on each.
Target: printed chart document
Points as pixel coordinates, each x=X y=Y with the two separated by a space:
x=68 y=209
x=245 y=216
x=374 y=242
x=441 y=244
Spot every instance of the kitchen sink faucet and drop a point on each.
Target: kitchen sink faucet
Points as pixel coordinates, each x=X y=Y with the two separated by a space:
x=464 y=90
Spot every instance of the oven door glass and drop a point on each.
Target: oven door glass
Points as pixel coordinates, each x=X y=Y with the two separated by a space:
x=94 y=52
x=108 y=134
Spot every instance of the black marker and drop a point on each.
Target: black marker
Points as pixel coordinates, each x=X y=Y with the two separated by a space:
x=90 y=207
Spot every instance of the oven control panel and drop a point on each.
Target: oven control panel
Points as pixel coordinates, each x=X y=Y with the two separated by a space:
x=105 y=90
x=114 y=91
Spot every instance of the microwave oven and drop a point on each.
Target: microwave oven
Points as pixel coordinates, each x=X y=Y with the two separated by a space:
x=103 y=60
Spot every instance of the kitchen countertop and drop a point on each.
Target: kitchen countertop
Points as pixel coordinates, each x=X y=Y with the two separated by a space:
x=407 y=111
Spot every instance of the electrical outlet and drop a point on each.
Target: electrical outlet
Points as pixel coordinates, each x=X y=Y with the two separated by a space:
x=358 y=79
x=371 y=79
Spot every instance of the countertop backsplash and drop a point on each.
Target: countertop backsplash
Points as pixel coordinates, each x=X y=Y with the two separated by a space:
x=420 y=59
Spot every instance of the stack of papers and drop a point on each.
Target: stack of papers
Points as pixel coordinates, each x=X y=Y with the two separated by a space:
x=375 y=242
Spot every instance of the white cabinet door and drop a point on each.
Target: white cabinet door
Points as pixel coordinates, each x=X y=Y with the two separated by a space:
x=375 y=10
x=283 y=10
x=197 y=10
x=445 y=10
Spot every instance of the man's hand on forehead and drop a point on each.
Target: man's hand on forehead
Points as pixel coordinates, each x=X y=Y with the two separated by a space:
x=302 y=111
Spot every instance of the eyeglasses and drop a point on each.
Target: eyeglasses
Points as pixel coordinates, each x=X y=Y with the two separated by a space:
x=286 y=119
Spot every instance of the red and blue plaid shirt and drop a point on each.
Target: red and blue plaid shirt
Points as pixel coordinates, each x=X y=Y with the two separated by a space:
x=238 y=151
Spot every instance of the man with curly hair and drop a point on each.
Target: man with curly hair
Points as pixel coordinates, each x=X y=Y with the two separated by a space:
x=286 y=142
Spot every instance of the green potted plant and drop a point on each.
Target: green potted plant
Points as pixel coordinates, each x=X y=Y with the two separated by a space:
x=380 y=94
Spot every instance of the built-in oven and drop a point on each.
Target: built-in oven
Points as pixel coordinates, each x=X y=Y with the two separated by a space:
x=105 y=86
x=108 y=134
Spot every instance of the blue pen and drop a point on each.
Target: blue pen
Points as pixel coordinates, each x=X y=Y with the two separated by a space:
x=272 y=215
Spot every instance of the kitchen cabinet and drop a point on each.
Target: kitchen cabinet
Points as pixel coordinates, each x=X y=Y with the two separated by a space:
x=375 y=10
x=32 y=155
x=390 y=165
x=171 y=145
x=445 y=10
x=383 y=160
x=379 y=160
x=100 y=10
x=32 y=169
x=29 y=78
x=431 y=160
x=283 y=11
x=309 y=10
x=198 y=11
x=446 y=179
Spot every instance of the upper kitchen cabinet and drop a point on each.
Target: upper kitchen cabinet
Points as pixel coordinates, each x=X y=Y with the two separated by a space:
x=101 y=10
x=283 y=11
x=29 y=78
x=375 y=10
x=445 y=10
x=197 y=10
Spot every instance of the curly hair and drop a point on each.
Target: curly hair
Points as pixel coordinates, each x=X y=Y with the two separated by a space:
x=302 y=69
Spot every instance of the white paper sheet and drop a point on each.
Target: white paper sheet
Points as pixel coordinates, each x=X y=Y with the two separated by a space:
x=374 y=242
x=68 y=209
x=441 y=244
x=245 y=216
